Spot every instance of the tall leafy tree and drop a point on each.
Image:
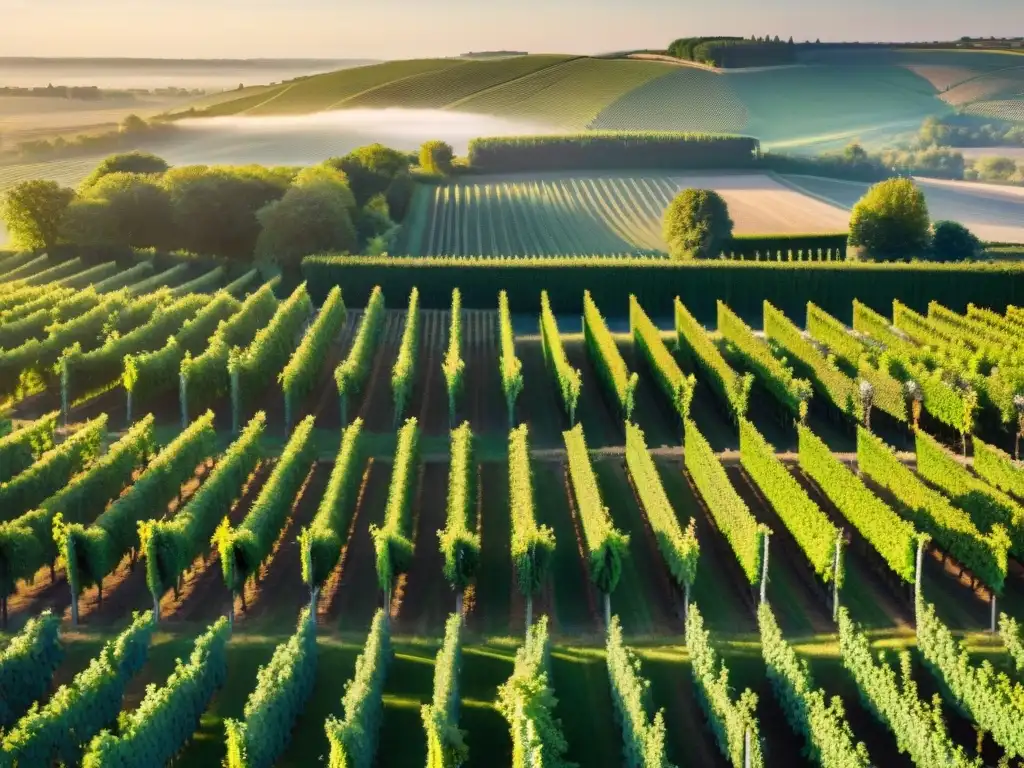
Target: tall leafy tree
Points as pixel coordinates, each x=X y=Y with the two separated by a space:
x=33 y=210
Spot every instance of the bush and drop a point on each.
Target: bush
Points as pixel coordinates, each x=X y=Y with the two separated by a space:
x=891 y=221
x=399 y=196
x=133 y=210
x=325 y=175
x=697 y=224
x=370 y=169
x=307 y=220
x=33 y=212
x=436 y=157
x=952 y=241
x=126 y=162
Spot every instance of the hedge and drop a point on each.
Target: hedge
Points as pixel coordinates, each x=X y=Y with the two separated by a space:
x=788 y=247
x=595 y=150
x=743 y=285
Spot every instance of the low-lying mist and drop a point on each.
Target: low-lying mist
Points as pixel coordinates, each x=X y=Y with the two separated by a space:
x=305 y=139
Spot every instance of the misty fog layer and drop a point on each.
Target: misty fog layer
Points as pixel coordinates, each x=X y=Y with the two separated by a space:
x=307 y=139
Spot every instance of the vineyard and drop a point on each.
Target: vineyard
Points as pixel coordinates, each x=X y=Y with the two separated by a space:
x=614 y=537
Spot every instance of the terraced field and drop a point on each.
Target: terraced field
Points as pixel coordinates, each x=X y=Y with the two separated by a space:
x=607 y=214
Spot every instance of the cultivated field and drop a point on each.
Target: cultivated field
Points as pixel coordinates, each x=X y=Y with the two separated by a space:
x=992 y=212
x=608 y=213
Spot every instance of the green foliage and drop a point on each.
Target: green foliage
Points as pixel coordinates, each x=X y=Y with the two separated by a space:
x=569 y=379
x=27 y=665
x=130 y=210
x=892 y=537
x=353 y=739
x=1010 y=634
x=150 y=373
x=300 y=374
x=643 y=736
x=744 y=534
x=604 y=354
x=322 y=541
x=265 y=358
x=208 y=282
x=532 y=545
x=606 y=546
x=155 y=732
x=371 y=169
x=329 y=177
x=509 y=365
x=891 y=221
x=776 y=376
x=60 y=730
x=787 y=247
x=693 y=341
x=952 y=241
x=813 y=532
x=351 y=373
x=307 y=220
x=169 y=277
x=204 y=377
x=730 y=719
x=610 y=150
x=32 y=212
x=680 y=549
x=819 y=722
x=446 y=747
x=528 y=703
x=436 y=157
x=460 y=544
x=240 y=286
x=245 y=547
x=282 y=689
x=989 y=698
x=646 y=336
x=998 y=468
x=953 y=530
x=393 y=541
x=52 y=471
x=92 y=552
x=88 y=277
x=170 y=546
x=19 y=449
x=453 y=366
x=125 y=162
x=403 y=374
x=696 y=224
x=842 y=391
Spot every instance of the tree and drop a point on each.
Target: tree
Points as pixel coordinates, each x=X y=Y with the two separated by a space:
x=307 y=220
x=952 y=241
x=436 y=157
x=891 y=221
x=374 y=219
x=370 y=169
x=127 y=162
x=33 y=210
x=399 y=196
x=137 y=210
x=697 y=224
x=88 y=222
x=133 y=124
x=317 y=175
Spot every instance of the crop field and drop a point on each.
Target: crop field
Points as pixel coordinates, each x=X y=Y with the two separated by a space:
x=326 y=502
x=549 y=215
x=992 y=212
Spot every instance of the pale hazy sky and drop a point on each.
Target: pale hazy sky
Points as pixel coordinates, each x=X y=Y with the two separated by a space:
x=412 y=28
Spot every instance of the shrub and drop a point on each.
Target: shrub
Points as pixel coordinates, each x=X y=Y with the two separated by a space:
x=307 y=220
x=126 y=162
x=891 y=220
x=370 y=169
x=132 y=210
x=436 y=157
x=697 y=224
x=952 y=241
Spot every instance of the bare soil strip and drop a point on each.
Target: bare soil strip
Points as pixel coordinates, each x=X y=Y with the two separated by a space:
x=597 y=411
x=329 y=592
x=499 y=605
x=540 y=403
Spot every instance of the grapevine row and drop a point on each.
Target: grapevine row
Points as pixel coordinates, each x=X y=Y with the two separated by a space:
x=125 y=278
x=350 y=375
x=27 y=665
x=88 y=277
x=18 y=305
x=19 y=449
x=643 y=730
x=163 y=723
x=606 y=545
x=693 y=340
x=245 y=547
x=166 y=279
x=91 y=553
x=300 y=374
x=453 y=366
x=208 y=282
x=460 y=543
x=446 y=746
x=170 y=546
x=353 y=738
x=533 y=545
x=677 y=387
x=510 y=366
x=998 y=468
x=569 y=379
x=264 y=359
x=745 y=535
x=403 y=374
x=322 y=541
x=952 y=529
x=1013 y=640
x=611 y=368
x=259 y=738
x=69 y=304
x=792 y=393
x=393 y=543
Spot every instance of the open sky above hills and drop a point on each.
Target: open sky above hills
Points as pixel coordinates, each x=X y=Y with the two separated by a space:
x=413 y=28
